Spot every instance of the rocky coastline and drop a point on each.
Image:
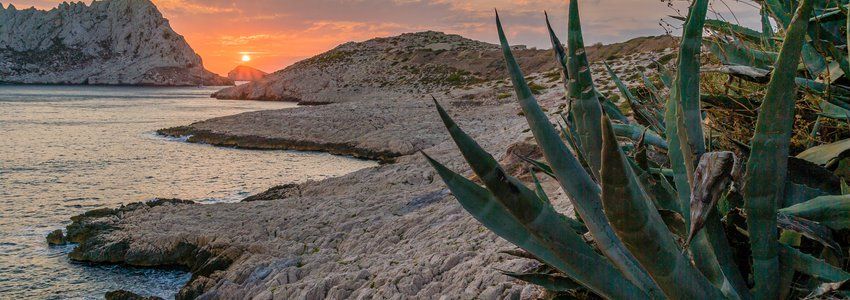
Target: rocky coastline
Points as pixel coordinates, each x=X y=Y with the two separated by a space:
x=391 y=231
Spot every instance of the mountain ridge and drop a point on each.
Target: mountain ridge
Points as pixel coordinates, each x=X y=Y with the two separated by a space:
x=421 y=63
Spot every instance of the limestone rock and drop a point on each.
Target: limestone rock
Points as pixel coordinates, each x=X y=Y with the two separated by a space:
x=56 y=237
x=246 y=73
x=110 y=42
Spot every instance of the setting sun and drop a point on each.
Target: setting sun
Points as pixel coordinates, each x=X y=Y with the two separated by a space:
x=246 y=58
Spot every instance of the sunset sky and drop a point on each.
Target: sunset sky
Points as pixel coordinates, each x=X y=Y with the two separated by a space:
x=276 y=33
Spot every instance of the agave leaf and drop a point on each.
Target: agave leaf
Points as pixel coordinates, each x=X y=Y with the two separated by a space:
x=767 y=29
x=833 y=94
x=799 y=193
x=809 y=229
x=833 y=111
x=816 y=33
x=658 y=190
x=747 y=73
x=551 y=282
x=786 y=276
x=810 y=265
x=664 y=73
x=685 y=138
x=558 y=49
x=538 y=188
x=543 y=167
x=832 y=211
x=735 y=53
x=825 y=155
x=578 y=185
x=739 y=31
x=656 y=93
x=635 y=132
x=628 y=207
x=741 y=106
x=482 y=205
x=683 y=106
x=640 y=111
x=768 y=161
x=814 y=62
x=541 y=221
x=779 y=12
x=828 y=15
x=712 y=178
x=613 y=111
x=813 y=176
x=586 y=109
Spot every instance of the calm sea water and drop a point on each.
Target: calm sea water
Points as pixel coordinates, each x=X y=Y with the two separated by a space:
x=66 y=150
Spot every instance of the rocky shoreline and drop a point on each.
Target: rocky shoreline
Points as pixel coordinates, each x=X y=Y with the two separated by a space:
x=391 y=231
x=255 y=142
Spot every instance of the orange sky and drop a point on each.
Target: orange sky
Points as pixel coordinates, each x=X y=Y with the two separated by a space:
x=280 y=32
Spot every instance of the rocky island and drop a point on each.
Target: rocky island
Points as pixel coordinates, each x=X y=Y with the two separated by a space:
x=112 y=42
x=246 y=73
x=377 y=233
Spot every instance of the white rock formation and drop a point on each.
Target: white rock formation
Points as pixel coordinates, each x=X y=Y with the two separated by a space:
x=108 y=42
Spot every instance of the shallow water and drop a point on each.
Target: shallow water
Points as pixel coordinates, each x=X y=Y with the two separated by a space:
x=66 y=150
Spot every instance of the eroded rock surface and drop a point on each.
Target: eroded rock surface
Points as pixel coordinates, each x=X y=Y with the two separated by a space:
x=110 y=42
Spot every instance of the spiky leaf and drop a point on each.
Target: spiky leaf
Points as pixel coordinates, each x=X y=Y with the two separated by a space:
x=642 y=229
x=768 y=161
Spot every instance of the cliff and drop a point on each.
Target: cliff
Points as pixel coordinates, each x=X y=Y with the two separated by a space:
x=110 y=42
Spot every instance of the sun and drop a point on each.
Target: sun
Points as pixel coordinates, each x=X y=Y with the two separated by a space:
x=246 y=58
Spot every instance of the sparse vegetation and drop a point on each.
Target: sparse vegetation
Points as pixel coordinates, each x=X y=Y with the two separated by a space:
x=711 y=220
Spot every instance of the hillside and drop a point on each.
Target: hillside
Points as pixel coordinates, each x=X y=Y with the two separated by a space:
x=411 y=63
x=110 y=42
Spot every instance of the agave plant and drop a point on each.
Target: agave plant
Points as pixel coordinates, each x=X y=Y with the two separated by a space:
x=753 y=227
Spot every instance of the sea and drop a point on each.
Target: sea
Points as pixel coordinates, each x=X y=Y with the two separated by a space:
x=65 y=150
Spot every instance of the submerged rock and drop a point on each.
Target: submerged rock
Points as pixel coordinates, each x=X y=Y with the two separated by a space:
x=110 y=42
x=127 y=295
x=56 y=237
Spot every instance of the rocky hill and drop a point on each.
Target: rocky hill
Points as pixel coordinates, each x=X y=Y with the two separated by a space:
x=411 y=63
x=246 y=73
x=110 y=42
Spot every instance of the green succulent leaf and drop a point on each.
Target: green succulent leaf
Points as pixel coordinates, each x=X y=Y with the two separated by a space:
x=768 y=161
x=541 y=221
x=551 y=282
x=628 y=207
x=832 y=211
x=579 y=186
x=809 y=265
x=826 y=155
x=634 y=132
x=640 y=110
x=586 y=108
x=767 y=29
x=739 y=31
